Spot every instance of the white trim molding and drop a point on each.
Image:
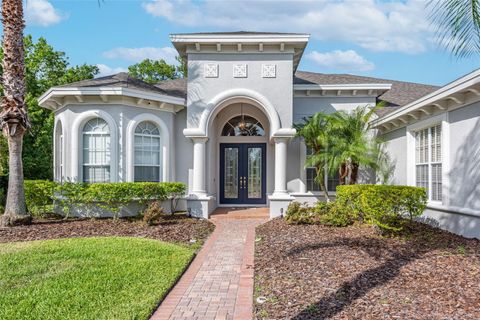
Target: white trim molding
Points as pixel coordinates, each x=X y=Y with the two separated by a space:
x=229 y=97
x=59 y=120
x=164 y=142
x=76 y=171
x=441 y=119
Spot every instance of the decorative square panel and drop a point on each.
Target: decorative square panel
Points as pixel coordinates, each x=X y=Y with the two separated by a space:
x=210 y=70
x=269 y=71
x=240 y=71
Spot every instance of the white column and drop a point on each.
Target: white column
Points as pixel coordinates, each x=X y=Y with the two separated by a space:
x=280 y=166
x=199 y=186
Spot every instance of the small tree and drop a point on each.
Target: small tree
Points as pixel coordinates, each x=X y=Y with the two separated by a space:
x=315 y=133
x=352 y=143
x=153 y=71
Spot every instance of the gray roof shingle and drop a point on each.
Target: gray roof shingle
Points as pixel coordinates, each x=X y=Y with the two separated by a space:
x=399 y=95
x=122 y=79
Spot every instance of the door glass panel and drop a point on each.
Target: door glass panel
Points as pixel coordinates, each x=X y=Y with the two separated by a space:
x=231 y=173
x=254 y=173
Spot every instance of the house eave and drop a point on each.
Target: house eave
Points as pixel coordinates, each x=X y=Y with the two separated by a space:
x=104 y=93
x=461 y=92
x=369 y=89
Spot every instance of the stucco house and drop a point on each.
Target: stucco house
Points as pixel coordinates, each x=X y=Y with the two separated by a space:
x=226 y=130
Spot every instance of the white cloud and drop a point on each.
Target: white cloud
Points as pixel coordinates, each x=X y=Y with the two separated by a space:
x=348 y=60
x=138 y=54
x=375 y=25
x=106 y=70
x=42 y=13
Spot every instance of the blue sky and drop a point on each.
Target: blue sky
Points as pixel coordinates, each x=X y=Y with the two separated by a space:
x=386 y=39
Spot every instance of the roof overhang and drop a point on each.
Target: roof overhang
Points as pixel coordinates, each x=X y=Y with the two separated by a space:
x=368 y=89
x=461 y=92
x=260 y=43
x=55 y=97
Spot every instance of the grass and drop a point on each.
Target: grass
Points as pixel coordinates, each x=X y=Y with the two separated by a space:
x=87 y=278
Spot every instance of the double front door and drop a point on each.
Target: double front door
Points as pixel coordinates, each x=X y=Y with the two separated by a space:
x=242 y=173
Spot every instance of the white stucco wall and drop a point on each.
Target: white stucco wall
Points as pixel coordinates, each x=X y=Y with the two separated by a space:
x=459 y=211
x=74 y=117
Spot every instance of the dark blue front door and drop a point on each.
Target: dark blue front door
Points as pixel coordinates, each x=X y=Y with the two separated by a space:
x=242 y=173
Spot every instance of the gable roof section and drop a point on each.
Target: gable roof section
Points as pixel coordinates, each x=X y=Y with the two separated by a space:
x=400 y=94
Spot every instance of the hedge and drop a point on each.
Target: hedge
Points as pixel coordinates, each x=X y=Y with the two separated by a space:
x=110 y=196
x=382 y=205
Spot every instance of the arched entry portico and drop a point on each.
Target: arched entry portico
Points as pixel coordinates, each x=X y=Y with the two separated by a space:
x=207 y=140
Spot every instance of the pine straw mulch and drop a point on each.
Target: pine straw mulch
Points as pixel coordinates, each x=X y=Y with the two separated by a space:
x=318 y=272
x=177 y=228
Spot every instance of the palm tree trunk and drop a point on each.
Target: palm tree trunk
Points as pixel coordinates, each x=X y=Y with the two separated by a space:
x=354 y=174
x=321 y=182
x=13 y=117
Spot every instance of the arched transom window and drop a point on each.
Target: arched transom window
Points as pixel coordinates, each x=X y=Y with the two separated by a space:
x=147 y=152
x=96 y=151
x=243 y=126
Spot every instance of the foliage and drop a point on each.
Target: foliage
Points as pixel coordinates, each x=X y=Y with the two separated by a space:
x=153 y=71
x=88 y=278
x=315 y=134
x=44 y=68
x=457 y=25
x=351 y=143
x=326 y=213
x=342 y=141
x=39 y=196
x=114 y=196
x=382 y=205
x=153 y=213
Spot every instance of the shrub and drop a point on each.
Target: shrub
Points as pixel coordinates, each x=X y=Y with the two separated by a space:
x=39 y=196
x=114 y=196
x=382 y=205
x=298 y=213
x=153 y=213
x=327 y=213
x=334 y=214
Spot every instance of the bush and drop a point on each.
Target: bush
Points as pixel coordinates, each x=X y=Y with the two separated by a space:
x=382 y=205
x=153 y=213
x=39 y=196
x=327 y=213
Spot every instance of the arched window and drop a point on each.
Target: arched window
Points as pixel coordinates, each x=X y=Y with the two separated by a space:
x=243 y=126
x=96 y=151
x=147 y=152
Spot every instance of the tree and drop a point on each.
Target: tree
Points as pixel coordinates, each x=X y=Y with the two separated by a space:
x=352 y=144
x=153 y=71
x=44 y=68
x=13 y=117
x=315 y=134
x=457 y=24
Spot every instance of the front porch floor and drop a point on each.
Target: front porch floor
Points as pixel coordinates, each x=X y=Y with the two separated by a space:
x=219 y=282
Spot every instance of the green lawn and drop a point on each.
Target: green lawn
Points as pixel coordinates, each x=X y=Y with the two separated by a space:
x=87 y=278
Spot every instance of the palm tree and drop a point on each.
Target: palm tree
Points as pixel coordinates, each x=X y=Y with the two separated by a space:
x=457 y=24
x=13 y=117
x=352 y=144
x=315 y=133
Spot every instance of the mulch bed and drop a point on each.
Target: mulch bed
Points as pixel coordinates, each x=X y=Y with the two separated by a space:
x=177 y=228
x=318 y=272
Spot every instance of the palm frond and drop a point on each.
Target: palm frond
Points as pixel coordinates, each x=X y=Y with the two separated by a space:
x=457 y=24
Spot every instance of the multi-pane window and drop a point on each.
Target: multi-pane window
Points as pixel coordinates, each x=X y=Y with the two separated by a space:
x=331 y=181
x=428 y=161
x=147 y=152
x=96 y=151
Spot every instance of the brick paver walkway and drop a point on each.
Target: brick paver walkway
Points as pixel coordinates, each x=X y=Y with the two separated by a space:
x=219 y=282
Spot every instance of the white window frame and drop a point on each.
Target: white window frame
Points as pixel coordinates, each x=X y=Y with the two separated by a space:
x=103 y=134
x=441 y=120
x=167 y=147
x=159 y=165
